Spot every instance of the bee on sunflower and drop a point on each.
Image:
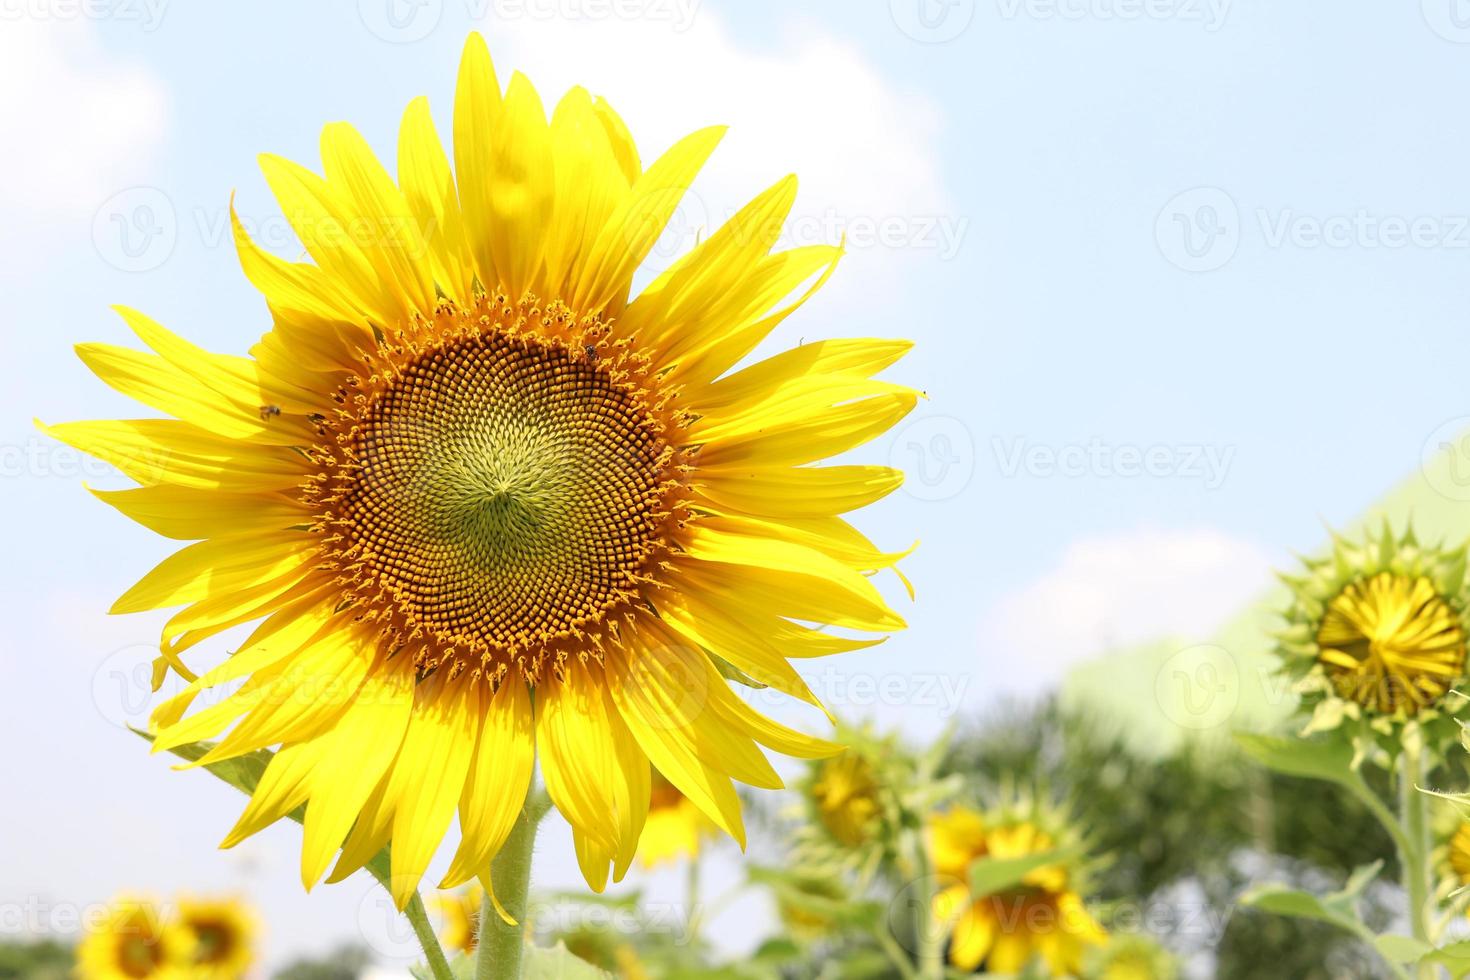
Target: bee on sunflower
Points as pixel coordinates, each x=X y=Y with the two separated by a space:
x=1375 y=641
x=136 y=940
x=485 y=505
x=1035 y=917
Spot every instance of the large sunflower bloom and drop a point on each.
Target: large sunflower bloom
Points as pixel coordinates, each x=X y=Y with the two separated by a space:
x=134 y=941
x=484 y=505
x=1042 y=918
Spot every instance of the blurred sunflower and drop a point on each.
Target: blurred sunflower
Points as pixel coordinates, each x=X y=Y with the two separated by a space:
x=1042 y=918
x=846 y=795
x=135 y=942
x=1132 y=957
x=221 y=933
x=674 y=828
x=465 y=464
x=1376 y=634
x=461 y=913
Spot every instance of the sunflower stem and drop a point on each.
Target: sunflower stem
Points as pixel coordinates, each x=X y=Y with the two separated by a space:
x=418 y=917
x=498 y=955
x=1415 y=858
x=929 y=943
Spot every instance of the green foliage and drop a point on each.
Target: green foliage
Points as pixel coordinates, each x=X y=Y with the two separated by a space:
x=45 y=960
x=1201 y=822
x=346 y=963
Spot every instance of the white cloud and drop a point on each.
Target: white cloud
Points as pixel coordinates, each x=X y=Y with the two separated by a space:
x=79 y=122
x=864 y=150
x=1122 y=589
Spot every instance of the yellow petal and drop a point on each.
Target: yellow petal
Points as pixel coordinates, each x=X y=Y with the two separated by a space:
x=362 y=745
x=499 y=775
x=428 y=185
x=631 y=231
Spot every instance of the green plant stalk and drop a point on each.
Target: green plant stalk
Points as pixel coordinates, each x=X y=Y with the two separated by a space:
x=498 y=955
x=1413 y=811
x=418 y=917
x=926 y=935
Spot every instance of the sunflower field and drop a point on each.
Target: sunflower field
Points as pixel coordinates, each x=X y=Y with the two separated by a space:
x=537 y=561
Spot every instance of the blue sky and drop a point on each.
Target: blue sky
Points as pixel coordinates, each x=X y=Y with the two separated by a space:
x=1187 y=280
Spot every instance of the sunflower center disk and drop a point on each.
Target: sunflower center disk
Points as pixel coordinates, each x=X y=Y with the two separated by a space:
x=506 y=491
x=1391 y=642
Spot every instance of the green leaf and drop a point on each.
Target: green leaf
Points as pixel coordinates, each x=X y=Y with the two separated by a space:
x=1297 y=904
x=1338 y=908
x=557 y=963
x=991 y=875
x=1327 y=759
x=1455 y=957
x=732 y=673
x=1402 y=949
x=462 y=967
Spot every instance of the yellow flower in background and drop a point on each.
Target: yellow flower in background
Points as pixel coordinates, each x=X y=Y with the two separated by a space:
x=461 y=912
x=221 y=933
x=135 y=942
x=1460 y=853
x=846 y=794
x=1042 y=919
x=1391 y=642
x=465 y=464
x=674 y=827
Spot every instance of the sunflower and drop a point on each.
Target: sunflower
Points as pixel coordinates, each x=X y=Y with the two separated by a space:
x=134 y=941
x=674 y=826
x=483 y=505
x=221 y=932
x=1376 y=634
x=847 y=798
x=461 y=912
x=1043 y=916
